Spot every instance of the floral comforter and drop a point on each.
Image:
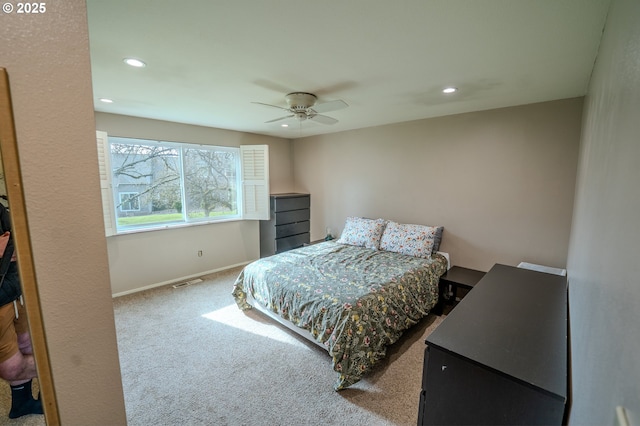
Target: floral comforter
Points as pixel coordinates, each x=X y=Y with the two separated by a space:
x=354 y=300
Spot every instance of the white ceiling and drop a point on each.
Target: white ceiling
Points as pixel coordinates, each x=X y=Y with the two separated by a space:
x=207 y=60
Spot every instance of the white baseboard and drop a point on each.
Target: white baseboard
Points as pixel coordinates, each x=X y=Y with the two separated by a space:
x=177 y=280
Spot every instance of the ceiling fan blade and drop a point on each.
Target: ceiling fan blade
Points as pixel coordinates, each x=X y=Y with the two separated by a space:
x=323 y=119
x=281 y=118
x=330 y=106
x=271 y=106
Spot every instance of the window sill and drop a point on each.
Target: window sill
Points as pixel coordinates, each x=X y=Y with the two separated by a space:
x=173 y=226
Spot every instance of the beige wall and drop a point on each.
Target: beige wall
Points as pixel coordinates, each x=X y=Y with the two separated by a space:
x=148 y=259
x=501 y=182
x=47 y=58
x=604 y=272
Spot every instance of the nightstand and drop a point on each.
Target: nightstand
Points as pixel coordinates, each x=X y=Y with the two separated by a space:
x=455 y=277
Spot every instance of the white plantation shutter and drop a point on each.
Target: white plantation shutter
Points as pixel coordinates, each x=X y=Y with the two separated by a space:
x=254 y=162
x=104 y=165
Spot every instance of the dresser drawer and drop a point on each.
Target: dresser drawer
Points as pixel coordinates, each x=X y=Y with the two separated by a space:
x=293 y=216
x=290 y=203
x=288 y=243
x=292 y=229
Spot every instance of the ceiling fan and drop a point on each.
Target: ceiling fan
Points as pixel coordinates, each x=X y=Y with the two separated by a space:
x=302 y=106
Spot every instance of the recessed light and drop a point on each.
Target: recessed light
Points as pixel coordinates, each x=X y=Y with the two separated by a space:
x=449 y=90
x=284 y=125
x=106 y=101
x=134 y=62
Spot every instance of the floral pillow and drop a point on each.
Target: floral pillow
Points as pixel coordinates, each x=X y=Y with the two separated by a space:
x=412 y=240
x=359 y=231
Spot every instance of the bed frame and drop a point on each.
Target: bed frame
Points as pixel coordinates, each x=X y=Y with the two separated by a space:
x=291 y=326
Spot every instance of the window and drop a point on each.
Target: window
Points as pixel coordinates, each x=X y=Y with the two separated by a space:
x=154 y=184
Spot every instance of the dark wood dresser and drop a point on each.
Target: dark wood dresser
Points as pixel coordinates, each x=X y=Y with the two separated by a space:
x=288 y=226
x=500 y=357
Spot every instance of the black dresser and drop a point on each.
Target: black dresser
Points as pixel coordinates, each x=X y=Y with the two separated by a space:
x=288 y=226
x=500 y=357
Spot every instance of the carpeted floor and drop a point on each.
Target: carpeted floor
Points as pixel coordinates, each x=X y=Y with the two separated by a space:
x=190 y=356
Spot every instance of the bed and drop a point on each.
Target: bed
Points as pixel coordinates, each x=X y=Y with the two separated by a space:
x=353 y=296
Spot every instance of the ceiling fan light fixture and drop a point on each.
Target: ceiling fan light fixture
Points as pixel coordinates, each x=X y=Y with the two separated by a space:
x=300 y=100
x=133 y=62
x=302 y=106
x=449 y=90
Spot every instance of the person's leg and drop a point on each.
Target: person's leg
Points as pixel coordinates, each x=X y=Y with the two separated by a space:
x=9 y=348
x=24 y=342
x=16 y=367
x=19 y=368
x=17 y=364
